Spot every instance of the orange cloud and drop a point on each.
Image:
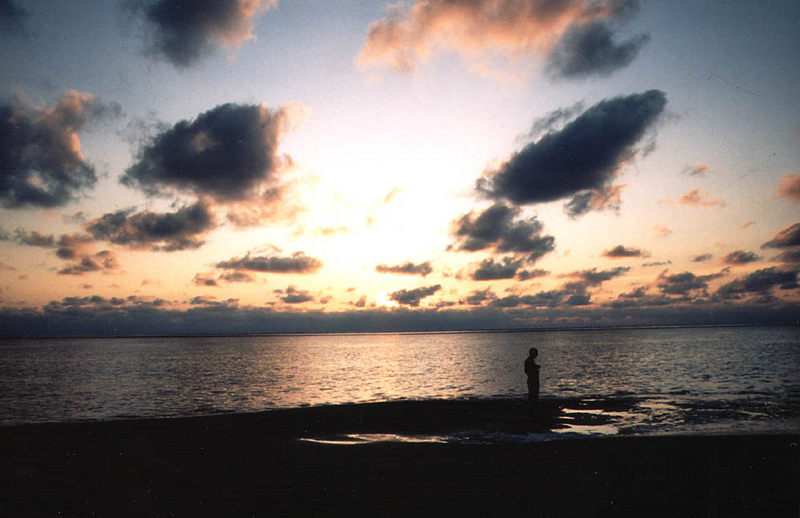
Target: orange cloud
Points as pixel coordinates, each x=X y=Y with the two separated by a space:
x=789 y=187
x=484 y=29
x=700 y=199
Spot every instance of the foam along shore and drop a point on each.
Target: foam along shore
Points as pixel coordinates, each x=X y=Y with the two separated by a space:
x=258 y=465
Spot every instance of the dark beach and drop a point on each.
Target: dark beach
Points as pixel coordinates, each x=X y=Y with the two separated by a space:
x=257 y=465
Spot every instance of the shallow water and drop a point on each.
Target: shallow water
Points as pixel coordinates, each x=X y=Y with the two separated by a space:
x=684 y=380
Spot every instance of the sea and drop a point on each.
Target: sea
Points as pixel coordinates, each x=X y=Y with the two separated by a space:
x=672 y=380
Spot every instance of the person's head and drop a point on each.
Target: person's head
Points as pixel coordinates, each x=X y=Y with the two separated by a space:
x=533 y=352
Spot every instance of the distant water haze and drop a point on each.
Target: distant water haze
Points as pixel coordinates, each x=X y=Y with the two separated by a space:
x=684 y=379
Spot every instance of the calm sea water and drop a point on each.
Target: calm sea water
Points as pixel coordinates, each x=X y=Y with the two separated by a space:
x=682 y=380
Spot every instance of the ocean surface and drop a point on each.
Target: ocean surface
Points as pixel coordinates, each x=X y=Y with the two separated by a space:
x=673 y=380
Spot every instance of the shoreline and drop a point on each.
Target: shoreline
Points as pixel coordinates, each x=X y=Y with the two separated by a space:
x=256 y=464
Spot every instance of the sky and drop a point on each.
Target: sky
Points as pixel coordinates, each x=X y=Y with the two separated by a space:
x=257 y=166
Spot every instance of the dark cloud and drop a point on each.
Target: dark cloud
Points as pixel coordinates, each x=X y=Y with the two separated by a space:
x=13 y=18
x=761 y=283
x=166 y=232
x=34 y=238
x=583 y=157
x=489 y=269
x=591 y=49
x=741 y=257
x=296 y=296
x=702 y=258
x=227 y=152
x=553 y=121
x=70 y=247
x=41 y=164
x=620 y=251
x=103 y=261
x=593 y=277
x=204 y=300
x=478 y=297
x=656 y=263
x=788 y=237
x=789 y=256
x=183 y=31
x=524 y=275
x=598 y=199
x=137 y=316
x=413 y=297
x=202 y=280
x=685 y=284
x=496 y=228
x=298 y=262
x=407 y=268
x=235 y=277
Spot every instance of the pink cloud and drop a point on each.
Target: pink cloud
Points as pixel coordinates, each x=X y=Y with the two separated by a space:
x=789 y=187
x=696 y=198
x=479 y=30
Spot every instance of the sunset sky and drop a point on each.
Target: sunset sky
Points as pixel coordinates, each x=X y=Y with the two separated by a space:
x=297 y=165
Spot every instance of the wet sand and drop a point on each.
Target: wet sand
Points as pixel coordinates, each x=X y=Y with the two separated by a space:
x=256 y=465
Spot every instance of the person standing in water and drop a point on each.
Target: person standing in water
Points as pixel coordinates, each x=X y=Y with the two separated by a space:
x=532 y=370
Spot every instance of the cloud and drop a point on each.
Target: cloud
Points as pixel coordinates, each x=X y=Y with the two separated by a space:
x=788 y=241
x=789 y=187
x=592 y=277
x=581 y=160
x=202 y=280
x=741 y=257
x=166 y=232
x=34 y=238
x=407 y=268
x=183 y=31
x=40 y=152
x=587 y=50
x=498 y=228
x=662 y=230
x=227 y=153
x=685 y=283
x=478 y=297
x=524 y=275
x=696 y=170
x=296 y=296
x=298 y=262
x=553 y=121
x=489 y=269
x=236 y=277
x=484 y=32
x=137 y=315
x=413 y=297
x=656 y=263
x=761 y=283
x=69 y=247
x=788 y=237
x=13 y=18
x=620 y=251
x=204 y=300
x=791 y=255
x=103 y=261
x=697 y=199
x=598 y=199
x=702 y=258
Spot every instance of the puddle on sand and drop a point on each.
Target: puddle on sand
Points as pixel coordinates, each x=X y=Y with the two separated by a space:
x=354 y=439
